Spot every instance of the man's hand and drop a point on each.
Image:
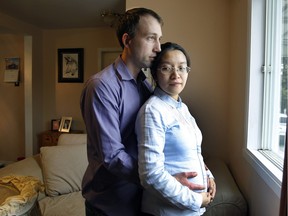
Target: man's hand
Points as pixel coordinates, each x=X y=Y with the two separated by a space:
x=183 y=179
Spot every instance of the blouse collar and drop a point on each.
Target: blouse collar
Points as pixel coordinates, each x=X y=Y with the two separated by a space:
x=167 y=98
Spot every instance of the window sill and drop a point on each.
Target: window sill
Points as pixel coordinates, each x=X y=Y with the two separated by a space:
x=265 y=169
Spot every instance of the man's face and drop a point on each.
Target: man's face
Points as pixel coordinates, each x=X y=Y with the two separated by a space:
x=146 y=43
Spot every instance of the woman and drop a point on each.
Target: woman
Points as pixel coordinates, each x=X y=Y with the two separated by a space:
x=169 y=142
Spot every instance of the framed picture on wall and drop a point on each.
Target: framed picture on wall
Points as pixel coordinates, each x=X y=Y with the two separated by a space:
x=65 y=124
x=70 y=65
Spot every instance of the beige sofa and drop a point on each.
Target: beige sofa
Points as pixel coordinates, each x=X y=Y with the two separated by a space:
x=61 y=168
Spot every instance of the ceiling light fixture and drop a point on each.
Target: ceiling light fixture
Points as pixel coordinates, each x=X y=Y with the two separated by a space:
x=110 y=18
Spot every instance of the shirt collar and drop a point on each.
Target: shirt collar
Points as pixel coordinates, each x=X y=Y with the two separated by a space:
x=167 y=98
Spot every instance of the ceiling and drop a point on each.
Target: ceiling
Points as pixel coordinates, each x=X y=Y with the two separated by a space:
x=61 y=14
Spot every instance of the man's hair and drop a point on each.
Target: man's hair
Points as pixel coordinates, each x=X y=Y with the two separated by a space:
x=168 y=46
x=129 y=21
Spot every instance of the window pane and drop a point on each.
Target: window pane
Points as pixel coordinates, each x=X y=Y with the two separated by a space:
x=275 y=82
x=284 y=69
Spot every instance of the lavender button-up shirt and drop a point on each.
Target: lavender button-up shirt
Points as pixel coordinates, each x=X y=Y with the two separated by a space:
x=109 y=104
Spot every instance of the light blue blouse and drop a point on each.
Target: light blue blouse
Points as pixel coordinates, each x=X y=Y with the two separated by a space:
x=169 y=142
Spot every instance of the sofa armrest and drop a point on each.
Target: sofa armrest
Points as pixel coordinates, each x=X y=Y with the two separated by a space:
x=228 y=199
x=30 y=166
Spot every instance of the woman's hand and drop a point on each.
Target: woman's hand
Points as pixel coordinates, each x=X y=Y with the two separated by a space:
x=206 y=199
x=212 y=187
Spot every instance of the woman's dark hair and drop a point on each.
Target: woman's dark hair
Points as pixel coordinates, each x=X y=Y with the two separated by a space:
x=128 y=22
x=165 y=48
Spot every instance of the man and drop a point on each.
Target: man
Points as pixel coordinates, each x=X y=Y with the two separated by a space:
x=109 y=103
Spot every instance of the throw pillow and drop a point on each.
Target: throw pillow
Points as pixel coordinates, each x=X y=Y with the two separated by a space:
x=63 y=168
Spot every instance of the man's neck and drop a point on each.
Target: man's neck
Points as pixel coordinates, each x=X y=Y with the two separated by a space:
x=132 y=68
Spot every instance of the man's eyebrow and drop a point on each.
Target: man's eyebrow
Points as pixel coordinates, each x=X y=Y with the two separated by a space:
x=154 y=34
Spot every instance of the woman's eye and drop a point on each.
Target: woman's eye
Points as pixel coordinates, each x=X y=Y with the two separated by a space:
x=182 y=69
x=164 y=68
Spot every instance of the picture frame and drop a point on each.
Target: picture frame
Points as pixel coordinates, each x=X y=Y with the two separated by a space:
x=55 y=124
x=70 y=65
x=12 y=68
x=65 y=124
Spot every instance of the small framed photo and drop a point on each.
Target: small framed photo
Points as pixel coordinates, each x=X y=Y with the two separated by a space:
x=55 y=124
x=70 y=65
x=65 y=124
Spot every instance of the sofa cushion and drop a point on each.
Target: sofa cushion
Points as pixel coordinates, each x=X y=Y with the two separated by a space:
x=228 y=200
x=65 y=205
x=63 y=168
x=27 y=167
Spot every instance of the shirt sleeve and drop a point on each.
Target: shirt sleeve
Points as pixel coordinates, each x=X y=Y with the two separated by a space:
x=153 y=176
x=100 y=110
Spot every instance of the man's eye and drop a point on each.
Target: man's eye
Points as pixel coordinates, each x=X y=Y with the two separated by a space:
x=151 y=38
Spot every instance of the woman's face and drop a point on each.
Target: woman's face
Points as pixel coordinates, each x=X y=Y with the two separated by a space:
x=172 y=82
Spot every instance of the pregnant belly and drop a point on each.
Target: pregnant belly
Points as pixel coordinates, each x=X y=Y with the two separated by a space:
x=200 y=179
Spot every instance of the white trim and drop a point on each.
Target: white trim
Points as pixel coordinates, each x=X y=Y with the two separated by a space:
x=28 y=96
x=268 y=172
x=265 y=169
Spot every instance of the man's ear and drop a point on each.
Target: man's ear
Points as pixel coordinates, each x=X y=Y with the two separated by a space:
x=126 y=39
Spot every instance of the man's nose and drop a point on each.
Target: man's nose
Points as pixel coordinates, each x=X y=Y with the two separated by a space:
x=157 y=46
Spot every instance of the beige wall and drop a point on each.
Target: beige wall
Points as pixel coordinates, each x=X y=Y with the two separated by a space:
x=64 y=98
x=203 y=29
x=12 y=101
x=20 y=135
x=49 y=99
x=215 y=35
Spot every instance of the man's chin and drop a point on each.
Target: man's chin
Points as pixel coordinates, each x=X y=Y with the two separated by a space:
x=147 y=65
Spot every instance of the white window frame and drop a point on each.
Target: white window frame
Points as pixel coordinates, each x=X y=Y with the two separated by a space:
x=267 y=170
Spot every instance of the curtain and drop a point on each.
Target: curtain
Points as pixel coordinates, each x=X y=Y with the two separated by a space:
x=283 y=201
